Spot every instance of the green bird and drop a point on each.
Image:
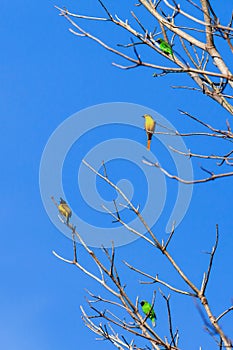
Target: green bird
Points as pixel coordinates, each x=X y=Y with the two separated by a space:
x=165 y=46
x=147 y=309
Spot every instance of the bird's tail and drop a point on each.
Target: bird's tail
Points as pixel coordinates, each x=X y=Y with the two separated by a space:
x=153 y=322
x=149 y=137
x=148 y=144
x=68 y=218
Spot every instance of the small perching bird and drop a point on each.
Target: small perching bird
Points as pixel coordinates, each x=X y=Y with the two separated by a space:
x=148 y=310
x=165 y=46
x=149 y=127
x=65 y=210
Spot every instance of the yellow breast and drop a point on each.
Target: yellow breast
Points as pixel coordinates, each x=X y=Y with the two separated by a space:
x=149 y=123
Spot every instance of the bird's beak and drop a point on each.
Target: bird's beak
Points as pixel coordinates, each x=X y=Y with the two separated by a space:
x=142 y=116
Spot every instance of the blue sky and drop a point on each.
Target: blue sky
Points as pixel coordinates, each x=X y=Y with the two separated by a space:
x=47 y=75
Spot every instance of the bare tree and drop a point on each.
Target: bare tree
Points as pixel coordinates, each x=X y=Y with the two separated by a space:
x=119 y=303
x=195 y=53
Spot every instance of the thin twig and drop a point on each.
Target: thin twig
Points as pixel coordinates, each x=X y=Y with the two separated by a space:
x=224 y=313
x=188 y=182
x=169 y=317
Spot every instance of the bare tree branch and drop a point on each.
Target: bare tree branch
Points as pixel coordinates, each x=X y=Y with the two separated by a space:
x=147 y=38
x=167 y=299
x=188 y=182
x=207 y=276
x=224 y=313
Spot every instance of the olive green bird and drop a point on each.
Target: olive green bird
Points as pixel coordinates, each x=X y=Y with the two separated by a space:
x=149 y=127
x=65 y=210
x=165 y=46
x=147 y=309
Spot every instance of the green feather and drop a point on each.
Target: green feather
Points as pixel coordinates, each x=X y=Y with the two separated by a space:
x=165 y=46
x=147 y=309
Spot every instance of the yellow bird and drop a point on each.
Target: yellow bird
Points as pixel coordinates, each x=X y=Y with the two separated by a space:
x=149 y=127
x=65 y=210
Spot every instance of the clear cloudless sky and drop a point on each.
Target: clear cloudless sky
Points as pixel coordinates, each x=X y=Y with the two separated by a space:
x=47 y=74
